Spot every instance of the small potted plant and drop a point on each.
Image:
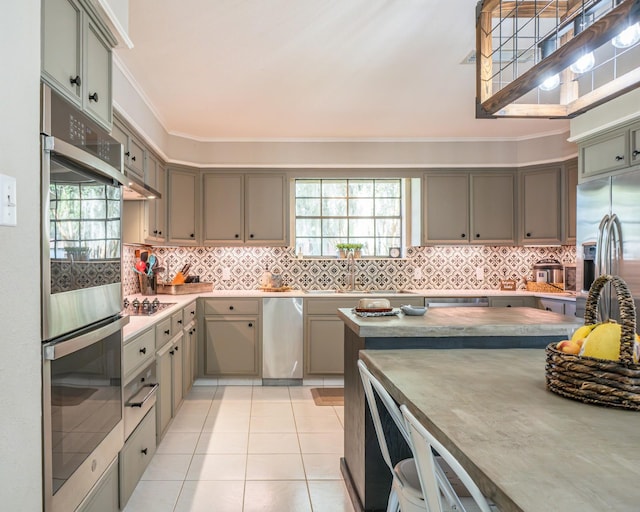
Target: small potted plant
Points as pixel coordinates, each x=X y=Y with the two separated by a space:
x=357 y=250
x=343 y=249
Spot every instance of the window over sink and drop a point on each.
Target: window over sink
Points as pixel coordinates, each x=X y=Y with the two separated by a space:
x=367 y=211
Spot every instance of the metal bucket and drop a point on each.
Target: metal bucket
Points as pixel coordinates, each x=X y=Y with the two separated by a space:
x=148 y=284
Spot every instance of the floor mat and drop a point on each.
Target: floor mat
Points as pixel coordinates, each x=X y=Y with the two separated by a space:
x=328 y=396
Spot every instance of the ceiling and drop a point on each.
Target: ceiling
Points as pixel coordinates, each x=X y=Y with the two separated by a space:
x=312 y=69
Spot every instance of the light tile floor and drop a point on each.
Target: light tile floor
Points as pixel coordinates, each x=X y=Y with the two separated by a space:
x=246 y=449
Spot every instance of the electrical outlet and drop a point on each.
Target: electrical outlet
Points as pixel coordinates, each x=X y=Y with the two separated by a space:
x=480 y=273
x=226 y=274
x=8 y=201
x=417 y=273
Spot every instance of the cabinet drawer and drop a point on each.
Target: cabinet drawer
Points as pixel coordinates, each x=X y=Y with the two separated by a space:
x=136 y=455
x=231 y=306
x=512 y=302
x=164 y=332
x=138 y=352
x=329 y=306
x=177 y=323
x=188 y=314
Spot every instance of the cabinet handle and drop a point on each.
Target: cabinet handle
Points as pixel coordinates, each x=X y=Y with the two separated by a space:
x=508 y=305
x=251 y=235
x=127 y=154
x=144 y=451
x=133 y=158
x=548 y=309
x=237 y=236
x=93 y=97
x=176 y=348
x=167 y=332
x=618 y=158
x=155 y=231
x=635 y=152
x=231 y=308
x=250 y=324
x=477 y=235
x=463 y=235
x=160 y=232
x=75 y=80
x=192 y=235
x=143 y=350
x=193 y=312
x=180 y=322
x=171 y=352
x=528 y=235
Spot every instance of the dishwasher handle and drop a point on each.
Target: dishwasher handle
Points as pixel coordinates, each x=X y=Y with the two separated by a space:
x=456 y=302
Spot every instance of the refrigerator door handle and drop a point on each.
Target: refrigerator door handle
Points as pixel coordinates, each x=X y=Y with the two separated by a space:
x=615 y=236
x=600 y=251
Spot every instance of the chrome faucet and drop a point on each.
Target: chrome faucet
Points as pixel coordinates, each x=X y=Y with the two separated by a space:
x=351 y=267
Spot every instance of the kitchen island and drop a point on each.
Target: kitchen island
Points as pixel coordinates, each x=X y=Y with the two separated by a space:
x=528 y=449
x=363 y=468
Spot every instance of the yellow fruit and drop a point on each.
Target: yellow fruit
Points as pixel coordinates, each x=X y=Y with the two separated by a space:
x=583 y=332
x=603 y=342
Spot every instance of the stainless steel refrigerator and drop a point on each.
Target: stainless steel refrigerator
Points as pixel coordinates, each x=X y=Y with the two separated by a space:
x=608 y=237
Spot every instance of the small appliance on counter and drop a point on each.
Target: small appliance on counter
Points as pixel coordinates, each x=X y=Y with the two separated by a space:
x=548 y=276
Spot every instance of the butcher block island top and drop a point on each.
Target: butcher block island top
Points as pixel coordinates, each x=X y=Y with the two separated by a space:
x=463 y=321
x=528 y=449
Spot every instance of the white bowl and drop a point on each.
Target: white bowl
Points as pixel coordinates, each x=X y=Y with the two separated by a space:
x=413 y=310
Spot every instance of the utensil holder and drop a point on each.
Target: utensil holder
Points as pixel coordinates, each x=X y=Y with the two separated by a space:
x=148 y=284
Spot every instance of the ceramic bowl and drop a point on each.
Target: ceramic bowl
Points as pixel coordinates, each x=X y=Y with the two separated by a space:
x=413 y=310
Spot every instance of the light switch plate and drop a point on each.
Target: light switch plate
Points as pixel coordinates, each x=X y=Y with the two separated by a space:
x=8 y=201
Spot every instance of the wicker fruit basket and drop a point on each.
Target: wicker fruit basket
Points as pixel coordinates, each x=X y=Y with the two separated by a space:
x=598 y=381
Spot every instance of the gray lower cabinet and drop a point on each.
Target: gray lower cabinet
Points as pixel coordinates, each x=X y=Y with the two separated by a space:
x=512 y=302
x=231 y=339
x=189 y=346
x=324 y=332
x=169 y=375
x=104 y=495
x=136 y=455
x=564 y=307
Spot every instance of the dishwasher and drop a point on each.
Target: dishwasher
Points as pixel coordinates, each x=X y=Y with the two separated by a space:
x=456 y=302
x=282 y=340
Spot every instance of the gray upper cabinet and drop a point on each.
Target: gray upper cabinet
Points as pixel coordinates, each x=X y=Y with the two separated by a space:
x=245 y=209
x=635 y=144
x=76 y=58
x=133 y=148
x=571 y=181
x=469 y=207
x=446 y=208
x=155 y=211
x=540 y=192
x=183 y=207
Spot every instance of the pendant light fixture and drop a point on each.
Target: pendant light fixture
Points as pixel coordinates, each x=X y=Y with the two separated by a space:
x=583 y=64
x=628 y=37
x=550 y=83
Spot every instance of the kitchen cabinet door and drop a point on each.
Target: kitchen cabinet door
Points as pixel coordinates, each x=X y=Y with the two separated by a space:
x=540 y=206
x=165 y=391
x=635 y=144
x=571 y=181
x=604 y=154
x=136 y=455
x=232 y=346
x=97 y=98
x=61 y=47
x=154 y=225
x=183 y=207
x=266 y=209
x=493 y=208
x=176 y=374
x=222 y=209
x=446 y=208
x=324 y=346
x=189 y=358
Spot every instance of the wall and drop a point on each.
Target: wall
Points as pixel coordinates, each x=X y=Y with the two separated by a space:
x=441 y=267
x=20 y=381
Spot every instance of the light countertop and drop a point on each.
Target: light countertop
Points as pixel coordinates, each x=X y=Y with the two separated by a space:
x=464 y=321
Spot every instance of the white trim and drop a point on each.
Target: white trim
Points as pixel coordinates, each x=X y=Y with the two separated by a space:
x=618 y=123
x=114 y=23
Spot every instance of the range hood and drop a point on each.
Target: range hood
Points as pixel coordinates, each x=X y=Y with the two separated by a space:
x=135 y=189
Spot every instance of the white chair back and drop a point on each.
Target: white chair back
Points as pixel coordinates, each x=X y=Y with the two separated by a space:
x=424 y=445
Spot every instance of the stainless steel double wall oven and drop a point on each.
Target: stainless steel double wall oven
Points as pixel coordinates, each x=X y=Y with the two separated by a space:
x=83 y=428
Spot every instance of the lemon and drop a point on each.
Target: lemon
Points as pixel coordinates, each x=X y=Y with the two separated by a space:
x=603 y=342
x=583 y=332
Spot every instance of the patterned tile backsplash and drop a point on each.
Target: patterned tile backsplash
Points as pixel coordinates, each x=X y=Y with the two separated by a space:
x=438 y=267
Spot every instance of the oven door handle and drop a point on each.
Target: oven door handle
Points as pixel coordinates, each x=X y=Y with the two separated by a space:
x=136 y=402
x=57 y=349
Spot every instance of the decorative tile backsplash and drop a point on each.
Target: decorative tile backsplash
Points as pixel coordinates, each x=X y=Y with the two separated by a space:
x=438 y=267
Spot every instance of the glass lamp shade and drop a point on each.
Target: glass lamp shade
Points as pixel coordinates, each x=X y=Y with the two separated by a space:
x=583 y=64
x=628 y=37
x=550 y=83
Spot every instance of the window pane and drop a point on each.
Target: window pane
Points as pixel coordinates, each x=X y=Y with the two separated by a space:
x=308 y=207
x=334 y=207
x=334 y=188
x=388 y=207
x=329 y=246
x=307 y=188
x=388 y=227
x=335 y=228
x=361 y=207
x=360 y=188
x=361 y=227
x=387 y=188
x=308 y=227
